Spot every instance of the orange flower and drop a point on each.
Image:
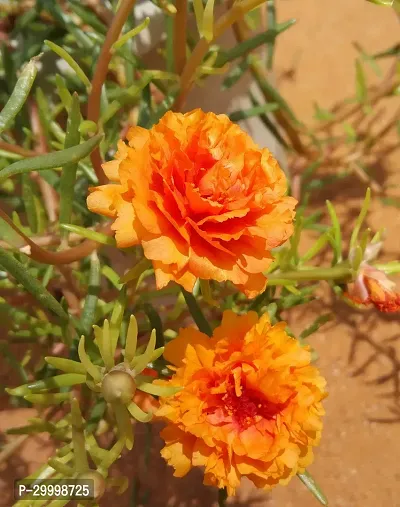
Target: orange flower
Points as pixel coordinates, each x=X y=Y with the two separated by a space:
x=372 y=286
x=250 y=403
x=200 y=197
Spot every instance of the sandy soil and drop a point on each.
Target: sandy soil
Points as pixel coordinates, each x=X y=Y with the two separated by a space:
x=357 y=462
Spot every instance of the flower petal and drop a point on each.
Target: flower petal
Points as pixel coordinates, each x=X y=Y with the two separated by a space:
x=126 y=226
x=105 y=199
x=175 y=350
x=166 y=273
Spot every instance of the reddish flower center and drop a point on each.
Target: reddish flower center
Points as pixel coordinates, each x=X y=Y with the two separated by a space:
x=250 y=406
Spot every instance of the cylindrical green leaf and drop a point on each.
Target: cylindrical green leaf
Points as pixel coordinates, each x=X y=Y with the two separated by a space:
x=337 y=233
x=28 y=195
x=234 y=74
x=44 y=113
x=136 y=271
x=385 y=3
x=88 y=234
x=155 y=323
x=361 y=86
x=198 y=316
x=30 y=283
x=112 y=455
x=360 y=218
x=390 y=268
x=199 y=13
x=87 y=16
x=253 y=111
x=269 y=124
x=60 y=467
x=269 y=90
x=63 y=92
x=116 y=320
x=207 y=25
x=89 y=308
x=139 y=414
x=71 y=62
x=139 y=363
x=51 y=160
x=19 y=94
x=132 y=33
x=78 y=439
x=312 y=486
x=108 y=353
x=155 y=390
x=57 y=503
x=124 y=424
x=319 y=321
x=48 y=398
x=156 y=354
x=68 y=175
x=13 y=361
x=67 y=365
x=93 y=370
x=65 y=380
x=249 y=45
x=131 y=339
x=316 y=248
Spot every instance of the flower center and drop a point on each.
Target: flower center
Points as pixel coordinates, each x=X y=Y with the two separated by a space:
x=250 y=406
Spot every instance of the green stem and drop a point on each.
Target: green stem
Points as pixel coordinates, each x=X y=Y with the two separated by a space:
x=155 y=323
x=100 y=74
x=81 y=463
x=222 y=496
x=197 y=314
x=338 y=272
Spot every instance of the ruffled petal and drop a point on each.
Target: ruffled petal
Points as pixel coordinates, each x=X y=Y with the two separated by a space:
x=105 y=199
x=175 y=350
x=166 y=273
x=126 y=226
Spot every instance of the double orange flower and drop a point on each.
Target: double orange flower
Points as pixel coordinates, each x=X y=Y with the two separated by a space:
x=201 y=198
x=250 y=403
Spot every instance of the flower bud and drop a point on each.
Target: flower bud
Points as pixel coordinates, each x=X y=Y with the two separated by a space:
x=118 y=386
x=99 y=482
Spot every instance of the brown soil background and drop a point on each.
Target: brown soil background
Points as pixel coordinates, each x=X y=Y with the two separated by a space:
x=357 y=464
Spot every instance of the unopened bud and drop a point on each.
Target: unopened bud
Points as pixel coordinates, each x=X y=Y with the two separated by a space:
x=118 y=386
x=99 y=483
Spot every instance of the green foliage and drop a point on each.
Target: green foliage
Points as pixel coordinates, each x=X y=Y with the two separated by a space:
x=309 y=482
x=30 y=283
x=385 y=3
x=51 y=160
x=58 y=260
x=19 y=95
